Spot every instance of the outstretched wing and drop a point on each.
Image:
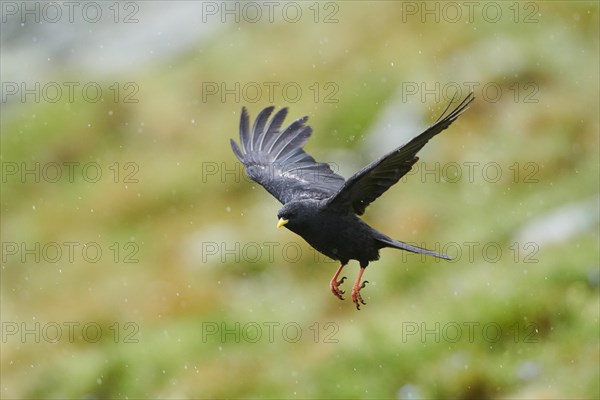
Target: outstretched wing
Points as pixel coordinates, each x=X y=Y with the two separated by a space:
x=275 y=159
x=373 y=180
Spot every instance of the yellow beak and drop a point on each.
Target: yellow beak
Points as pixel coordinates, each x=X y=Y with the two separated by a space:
x=282 y=222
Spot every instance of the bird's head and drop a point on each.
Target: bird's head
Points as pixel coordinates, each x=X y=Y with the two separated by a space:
x=297 y=214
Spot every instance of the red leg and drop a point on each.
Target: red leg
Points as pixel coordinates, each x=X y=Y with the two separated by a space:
x=356 y=297
x=334 y=285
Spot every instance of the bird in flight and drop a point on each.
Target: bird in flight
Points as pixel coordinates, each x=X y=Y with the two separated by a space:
x=320 y=205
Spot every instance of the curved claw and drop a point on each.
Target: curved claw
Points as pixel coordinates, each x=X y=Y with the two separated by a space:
x=337 y=292
x=358 y=304
x=334 y=284
x=356 y=297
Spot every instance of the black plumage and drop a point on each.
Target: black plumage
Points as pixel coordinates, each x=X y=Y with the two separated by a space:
x=320 y=205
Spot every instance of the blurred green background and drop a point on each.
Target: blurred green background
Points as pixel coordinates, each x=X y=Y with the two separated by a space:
x=139 y=262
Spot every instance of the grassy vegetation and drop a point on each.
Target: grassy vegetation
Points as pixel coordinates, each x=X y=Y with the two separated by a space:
x=198 y=295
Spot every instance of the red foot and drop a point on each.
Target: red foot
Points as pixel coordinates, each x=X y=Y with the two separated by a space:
x=334 y=284
x=356 y=297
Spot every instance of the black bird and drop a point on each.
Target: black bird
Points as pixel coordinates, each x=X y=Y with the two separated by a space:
x=320 y=205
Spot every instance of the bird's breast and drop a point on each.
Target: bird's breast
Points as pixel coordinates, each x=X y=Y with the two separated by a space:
x=341 y=238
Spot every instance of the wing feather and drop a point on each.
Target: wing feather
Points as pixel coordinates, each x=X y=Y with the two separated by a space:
x=293 y=142
x=373 y=180
x=275 y=158
x=272 y=130
x=259 y=125
x=245 y=131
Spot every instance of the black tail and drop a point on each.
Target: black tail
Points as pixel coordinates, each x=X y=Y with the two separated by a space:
x=388 y=242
